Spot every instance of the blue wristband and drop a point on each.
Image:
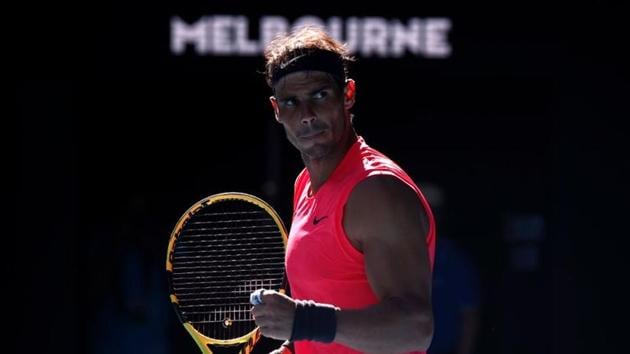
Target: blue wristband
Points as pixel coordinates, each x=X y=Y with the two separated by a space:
x=313 y=321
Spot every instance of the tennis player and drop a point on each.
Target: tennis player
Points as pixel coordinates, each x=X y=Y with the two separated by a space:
x=362 y=241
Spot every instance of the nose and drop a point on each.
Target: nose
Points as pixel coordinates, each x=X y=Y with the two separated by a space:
x=308 y=116
x=308 y=119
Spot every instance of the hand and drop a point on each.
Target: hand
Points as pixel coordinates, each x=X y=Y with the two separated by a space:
x=282 y=350
x=275 y=315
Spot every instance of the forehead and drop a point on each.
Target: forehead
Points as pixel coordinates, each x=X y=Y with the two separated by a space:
x=303 y=81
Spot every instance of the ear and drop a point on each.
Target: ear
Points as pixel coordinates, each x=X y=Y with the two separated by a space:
x=274 y=105
x=349 y=94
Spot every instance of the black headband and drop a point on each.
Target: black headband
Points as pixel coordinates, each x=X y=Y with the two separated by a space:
x=318 y=60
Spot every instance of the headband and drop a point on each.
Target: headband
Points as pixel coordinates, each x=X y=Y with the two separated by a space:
x=317 y=60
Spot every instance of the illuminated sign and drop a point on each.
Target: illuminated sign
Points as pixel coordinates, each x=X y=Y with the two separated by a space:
x=229 y=35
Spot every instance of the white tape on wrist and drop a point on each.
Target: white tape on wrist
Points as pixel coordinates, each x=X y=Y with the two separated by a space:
x=255 y=298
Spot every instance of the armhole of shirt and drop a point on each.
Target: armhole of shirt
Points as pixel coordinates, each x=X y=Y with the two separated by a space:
x=342 y=237
x=298 y=185
x=348 y=248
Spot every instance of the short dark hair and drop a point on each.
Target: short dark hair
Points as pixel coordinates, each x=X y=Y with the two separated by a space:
x=307 y=41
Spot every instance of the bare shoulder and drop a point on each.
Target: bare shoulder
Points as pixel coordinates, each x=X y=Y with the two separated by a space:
x=384 y=188
x=383 y=207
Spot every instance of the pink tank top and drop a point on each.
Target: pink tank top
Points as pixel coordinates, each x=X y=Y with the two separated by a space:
x=322 y=265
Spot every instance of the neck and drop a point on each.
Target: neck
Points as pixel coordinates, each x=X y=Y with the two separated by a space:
x=320 y=169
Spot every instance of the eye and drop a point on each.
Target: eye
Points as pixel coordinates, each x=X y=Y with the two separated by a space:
x=288 y=102
x=320 y=95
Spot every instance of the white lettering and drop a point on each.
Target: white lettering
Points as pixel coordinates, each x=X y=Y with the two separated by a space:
x=243 y=44
x=271 y=26
x=367 y=36
x=408 y=38
x=221 y=36
x=436 y=31
x=375 y=37
x=335 y=26
x=183 y=34
x=353 y=39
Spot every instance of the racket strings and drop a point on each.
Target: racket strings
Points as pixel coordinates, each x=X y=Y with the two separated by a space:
x=224 y=252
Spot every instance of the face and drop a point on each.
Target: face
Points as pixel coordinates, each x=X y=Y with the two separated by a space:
x=314 y=112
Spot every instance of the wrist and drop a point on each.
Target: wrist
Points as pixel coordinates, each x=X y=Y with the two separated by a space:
x=313 y=321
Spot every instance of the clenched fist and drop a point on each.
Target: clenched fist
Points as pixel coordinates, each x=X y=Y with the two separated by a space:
x=274 y=315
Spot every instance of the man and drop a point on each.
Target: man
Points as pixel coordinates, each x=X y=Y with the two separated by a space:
x=362 y=239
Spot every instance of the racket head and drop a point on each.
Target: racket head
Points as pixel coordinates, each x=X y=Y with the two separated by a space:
x=222 y=248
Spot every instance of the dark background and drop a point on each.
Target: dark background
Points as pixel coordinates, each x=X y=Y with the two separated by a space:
x=115 y=138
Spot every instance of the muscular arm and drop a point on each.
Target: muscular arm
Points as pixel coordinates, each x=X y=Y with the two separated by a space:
x=385 y=220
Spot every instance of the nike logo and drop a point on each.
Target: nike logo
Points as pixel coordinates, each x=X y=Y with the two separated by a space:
x=316 y=220
x=287 y=63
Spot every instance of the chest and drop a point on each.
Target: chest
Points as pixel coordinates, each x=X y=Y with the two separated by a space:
x=317 y=242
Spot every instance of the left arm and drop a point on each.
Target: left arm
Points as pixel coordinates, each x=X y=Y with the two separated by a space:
x=386 y=221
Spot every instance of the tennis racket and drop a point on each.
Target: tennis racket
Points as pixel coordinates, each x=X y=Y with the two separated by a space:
x=222 y=249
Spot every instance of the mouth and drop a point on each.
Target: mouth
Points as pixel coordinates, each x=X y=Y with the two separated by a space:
x=311 y=134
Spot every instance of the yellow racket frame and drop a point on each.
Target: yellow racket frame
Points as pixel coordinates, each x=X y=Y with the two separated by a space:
x=202 y=341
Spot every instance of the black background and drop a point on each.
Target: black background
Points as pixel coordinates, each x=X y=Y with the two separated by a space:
x=526 y=116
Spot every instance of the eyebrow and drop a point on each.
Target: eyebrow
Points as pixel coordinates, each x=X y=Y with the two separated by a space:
x=323 y=86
